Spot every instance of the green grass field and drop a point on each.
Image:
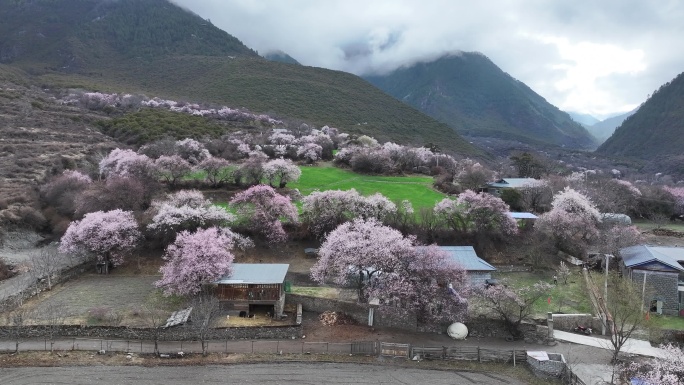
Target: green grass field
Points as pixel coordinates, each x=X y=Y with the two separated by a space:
x=416 y=189
x=667 y=322
x=649 y=225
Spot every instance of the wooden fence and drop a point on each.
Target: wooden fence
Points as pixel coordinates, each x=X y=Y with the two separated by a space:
x=389 y=349
x=470 y=353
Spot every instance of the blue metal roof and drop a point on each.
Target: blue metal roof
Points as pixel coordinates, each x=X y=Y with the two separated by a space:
x=256 y=273
x=645 y=254
x=522 y=215
x=513 y=182
x=466 y=257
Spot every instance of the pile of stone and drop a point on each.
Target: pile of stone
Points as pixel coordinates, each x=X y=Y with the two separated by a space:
x=330 y=318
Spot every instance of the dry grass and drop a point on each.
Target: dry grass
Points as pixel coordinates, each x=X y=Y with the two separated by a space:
x=320 y=292
x=259 y=320
x=125 y=297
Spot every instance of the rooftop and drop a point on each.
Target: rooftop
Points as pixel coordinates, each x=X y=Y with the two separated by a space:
x=466 y=257
x=513 y=182
x=522 y=215
x=256 y=273
x=644 y=254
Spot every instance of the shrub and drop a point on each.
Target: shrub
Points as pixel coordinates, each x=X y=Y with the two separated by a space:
x=99 y=314
x=5 y=271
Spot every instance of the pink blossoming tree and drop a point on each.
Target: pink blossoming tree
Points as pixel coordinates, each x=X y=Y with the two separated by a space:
x=389 y=267
x=281 y=171
x=482 y=214
x=310 y=152
x=678 y=195
x=192 y=151
x=572 y=222
x=185 y=210
x=107 y=235
x=667 y=370
x=126 y=163
x=323 y=211
x=264 y=210
x=198 y=258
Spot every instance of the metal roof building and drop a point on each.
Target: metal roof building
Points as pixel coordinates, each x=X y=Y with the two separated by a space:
x=515 y=215
x=659 y=269
x=466 y=257
x=256 y=273
x=646 y=255
x=513 y=183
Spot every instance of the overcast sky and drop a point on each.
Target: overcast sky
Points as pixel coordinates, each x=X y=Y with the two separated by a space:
x=592 y=56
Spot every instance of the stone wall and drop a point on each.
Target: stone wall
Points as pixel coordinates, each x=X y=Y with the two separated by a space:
x=180 y=333
x=10 y=303
x=567 y=322
x=384 y=316
x=664 y=286
x=554 y=367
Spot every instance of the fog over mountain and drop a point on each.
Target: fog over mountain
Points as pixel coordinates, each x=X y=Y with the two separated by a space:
x=599 y=58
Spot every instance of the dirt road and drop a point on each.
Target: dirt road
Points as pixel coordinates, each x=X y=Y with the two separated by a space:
x=263 y=374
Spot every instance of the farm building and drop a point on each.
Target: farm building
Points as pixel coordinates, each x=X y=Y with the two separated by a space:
x=478 y=269
x=660 y=269
x=524 y=220
x=616 y=218
x=252 y=287
x=496 y=188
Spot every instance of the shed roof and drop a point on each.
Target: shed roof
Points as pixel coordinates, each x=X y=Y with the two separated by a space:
x=513 y=182
x=522 y=215
x=256 y=273
x=466 y=257
x=644 y=254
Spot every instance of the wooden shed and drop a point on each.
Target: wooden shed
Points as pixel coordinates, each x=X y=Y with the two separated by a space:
x=252 y=287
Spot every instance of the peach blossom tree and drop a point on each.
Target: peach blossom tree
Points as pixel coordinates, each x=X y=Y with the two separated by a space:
x=107 y=235
x=389 y=267
x=185 y=210
x=198 y=258
x=264 y=211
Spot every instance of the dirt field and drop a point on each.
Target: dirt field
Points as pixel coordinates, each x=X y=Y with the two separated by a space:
x=308 y=373
x=80 y=298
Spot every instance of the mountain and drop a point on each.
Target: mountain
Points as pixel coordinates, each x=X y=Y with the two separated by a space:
x=605 y=128
x=156 y=48
x=475 y=97
x=280 y=56
x=585 y=120
x=656 y=130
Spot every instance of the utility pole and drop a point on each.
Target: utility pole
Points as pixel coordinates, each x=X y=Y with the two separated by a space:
x=604 y=324
x=643 y=291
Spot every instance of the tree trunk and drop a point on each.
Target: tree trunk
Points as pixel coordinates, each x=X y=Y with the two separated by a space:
x=360 y=288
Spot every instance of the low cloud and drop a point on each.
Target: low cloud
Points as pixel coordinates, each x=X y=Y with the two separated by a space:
x=587 y=56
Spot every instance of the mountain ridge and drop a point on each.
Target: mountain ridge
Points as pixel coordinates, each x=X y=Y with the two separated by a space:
x=155 y=47
x=656 y=129
x=471 y=94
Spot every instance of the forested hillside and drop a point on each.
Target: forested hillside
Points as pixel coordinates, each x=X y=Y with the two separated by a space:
x=474 y=96
x=656 y=129
x=158 y=49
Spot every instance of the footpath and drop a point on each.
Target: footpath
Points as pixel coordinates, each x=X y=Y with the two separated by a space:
x=632 y=346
